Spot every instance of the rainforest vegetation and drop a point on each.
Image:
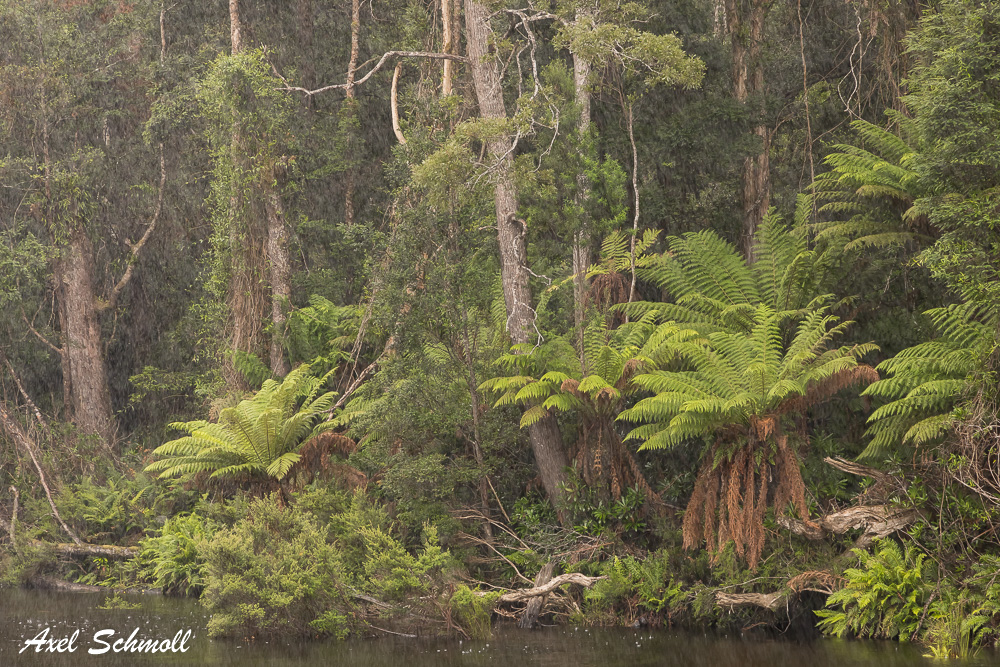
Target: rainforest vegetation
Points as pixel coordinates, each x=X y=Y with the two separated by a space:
x=347 y=316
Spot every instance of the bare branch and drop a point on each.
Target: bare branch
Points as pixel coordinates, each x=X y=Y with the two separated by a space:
x=57 y=350
x=24 y=394
x=553 y=584
x=382 y=61
x=17 y=434
x=137 y=247
x=394 y=103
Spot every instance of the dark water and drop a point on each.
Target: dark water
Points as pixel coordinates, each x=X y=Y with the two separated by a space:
x=23 y=614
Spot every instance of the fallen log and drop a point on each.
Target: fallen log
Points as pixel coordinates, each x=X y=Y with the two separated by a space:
x=91 y=550
x=82 y=550
x=526 y=594
x=54 y=584
x=877 y=521
x=769 y=601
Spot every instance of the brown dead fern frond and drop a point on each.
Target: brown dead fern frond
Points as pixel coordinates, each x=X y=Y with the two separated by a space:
x=572 y=386
x=315 y=460
x=819 y=581
x=820 y=391
x=608 y=289
x=731 y=497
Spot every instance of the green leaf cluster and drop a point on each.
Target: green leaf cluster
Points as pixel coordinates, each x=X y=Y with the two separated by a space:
x=260 y=436
x=883 y=598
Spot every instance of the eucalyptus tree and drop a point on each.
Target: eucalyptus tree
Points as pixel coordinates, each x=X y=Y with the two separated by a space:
x=77 y=92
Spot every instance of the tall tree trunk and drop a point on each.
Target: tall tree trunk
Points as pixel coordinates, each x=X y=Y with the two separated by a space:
x=448 y=43
x=546 y=440
x=259 y=258
x=85 y=381
x=82 y=355
x=745 y=25
x=247 y=299
x=581 y=239
x=235 y=26
x=280 y=269
x=352 y=68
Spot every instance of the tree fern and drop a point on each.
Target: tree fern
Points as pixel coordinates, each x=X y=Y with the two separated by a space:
x=872 y=197
x=712 y=288
x=923 y=382
x=734 y=378
x=259 y=436
x=596 y=396
x=752 y=343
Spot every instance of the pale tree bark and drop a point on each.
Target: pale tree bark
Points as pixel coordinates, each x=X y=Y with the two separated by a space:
x=581 y=239
x=546 y=440
x=394 y=102
x=352 y=68
x=745 y=25
x=630 y=120
x=235 y=26
x=447 y=45
x=280 y=268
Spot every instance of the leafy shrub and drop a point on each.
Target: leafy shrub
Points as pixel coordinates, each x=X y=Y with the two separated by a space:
x=883 y=598
x=594 y=517
x=420 y=486
x=275 y=573
x=473 y=610
x=173 y=560
x=392 y=572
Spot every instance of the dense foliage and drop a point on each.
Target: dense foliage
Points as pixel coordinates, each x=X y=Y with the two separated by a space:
x=443 y=296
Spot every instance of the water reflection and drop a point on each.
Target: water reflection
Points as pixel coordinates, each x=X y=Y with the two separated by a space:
x=25 y=613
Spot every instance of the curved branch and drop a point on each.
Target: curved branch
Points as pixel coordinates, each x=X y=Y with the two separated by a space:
x=394 y=103
x=382 y=61
x=137 y=248
x=551 y=585
x=57 y=350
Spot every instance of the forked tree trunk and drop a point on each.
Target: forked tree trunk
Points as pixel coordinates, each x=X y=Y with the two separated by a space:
x=745 y=25
x=82 y=356
x=85 y=383
x=546 y=440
